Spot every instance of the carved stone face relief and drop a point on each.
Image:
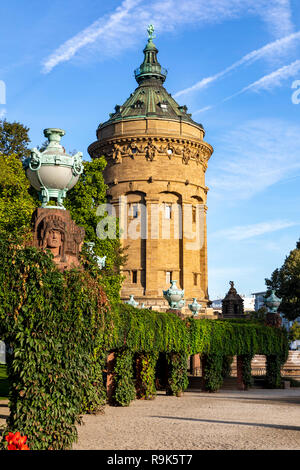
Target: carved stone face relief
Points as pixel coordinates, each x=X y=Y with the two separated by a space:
x=53 y=229
x=54 y=241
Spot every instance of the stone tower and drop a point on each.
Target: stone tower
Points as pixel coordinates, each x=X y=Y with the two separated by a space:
x=156 y=163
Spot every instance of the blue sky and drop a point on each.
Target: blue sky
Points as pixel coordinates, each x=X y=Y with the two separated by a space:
x=232 y=62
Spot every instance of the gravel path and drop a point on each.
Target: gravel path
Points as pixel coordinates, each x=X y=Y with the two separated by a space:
x=230 y=419
x=227 y=420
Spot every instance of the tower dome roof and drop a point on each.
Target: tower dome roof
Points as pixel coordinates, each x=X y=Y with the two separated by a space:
x=150 y=99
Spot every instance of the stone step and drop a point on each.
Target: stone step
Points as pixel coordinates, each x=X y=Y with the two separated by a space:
x=195 y=382
x=230 y=383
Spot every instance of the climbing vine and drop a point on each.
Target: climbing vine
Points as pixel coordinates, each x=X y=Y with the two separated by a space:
x=273 y=375
x=212 y=371
x=60 y=328
x=246 y=370
x=177 y=376
x=124 y=388
x=145 y=375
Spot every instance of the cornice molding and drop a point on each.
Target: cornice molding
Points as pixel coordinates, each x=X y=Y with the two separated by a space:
x=151 y=147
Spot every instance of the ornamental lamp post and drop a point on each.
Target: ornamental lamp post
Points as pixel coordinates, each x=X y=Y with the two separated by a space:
x=52 y=172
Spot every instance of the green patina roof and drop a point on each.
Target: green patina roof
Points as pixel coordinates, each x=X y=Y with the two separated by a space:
x=150 y=98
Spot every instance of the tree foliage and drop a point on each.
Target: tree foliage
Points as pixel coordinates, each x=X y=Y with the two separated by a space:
x=83 y=202
x=294 y=332
x=16 y=203
x=14 y=139
x=18 y=200
x=286 y=282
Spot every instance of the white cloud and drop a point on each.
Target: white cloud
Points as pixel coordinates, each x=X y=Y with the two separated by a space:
x=275 y=78
x=114 y=33
x=252 y=157
x=273 y=48
x=244 y=232
x=103 y=28
x=270 y=81
x=206 y=108
x=277 y=15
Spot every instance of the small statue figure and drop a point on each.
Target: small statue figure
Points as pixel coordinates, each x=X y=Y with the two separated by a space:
x=150 y=150
x=150 y=31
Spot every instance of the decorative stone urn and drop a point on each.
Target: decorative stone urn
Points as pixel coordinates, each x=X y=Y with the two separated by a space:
x=53 y=172
x=194 y=307
x=174 y=296
x=131 y=301
x=272 y=302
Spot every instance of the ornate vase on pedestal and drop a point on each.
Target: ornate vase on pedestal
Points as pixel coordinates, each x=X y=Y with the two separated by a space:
x=194 y=307
x=52 y=173
x=272 y=302
x=131 y=301
x=174 y=296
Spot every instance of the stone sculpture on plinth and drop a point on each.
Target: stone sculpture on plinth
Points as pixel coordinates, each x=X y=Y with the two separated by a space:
x=52 y=173
x=55 y=230
x=174 y=297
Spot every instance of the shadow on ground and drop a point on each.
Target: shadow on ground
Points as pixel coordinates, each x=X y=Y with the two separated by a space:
x=240 y=423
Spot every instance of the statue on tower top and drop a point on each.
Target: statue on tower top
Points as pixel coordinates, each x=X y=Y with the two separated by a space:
x=150 y=31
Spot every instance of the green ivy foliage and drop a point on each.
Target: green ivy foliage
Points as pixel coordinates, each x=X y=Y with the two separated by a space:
x=212 y=371
x=236 y=337
x=246 y=370
x=142 y=330
x=145 y=375
x=226 y=366
x=61 y=327
x=124 y=391
x=177 y=376
x=273 y=366
x=53 y=322
x=83 y=201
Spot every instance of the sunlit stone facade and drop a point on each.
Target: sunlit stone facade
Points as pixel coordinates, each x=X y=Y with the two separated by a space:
x=156 y=162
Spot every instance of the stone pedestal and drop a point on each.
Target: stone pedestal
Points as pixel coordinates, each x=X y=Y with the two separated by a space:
x=273 y=319
x=54 y=229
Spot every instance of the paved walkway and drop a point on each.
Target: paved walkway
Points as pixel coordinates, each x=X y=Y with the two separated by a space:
x=230 y=419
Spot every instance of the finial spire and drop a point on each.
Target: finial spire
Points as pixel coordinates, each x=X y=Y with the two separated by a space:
x=150 y=68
